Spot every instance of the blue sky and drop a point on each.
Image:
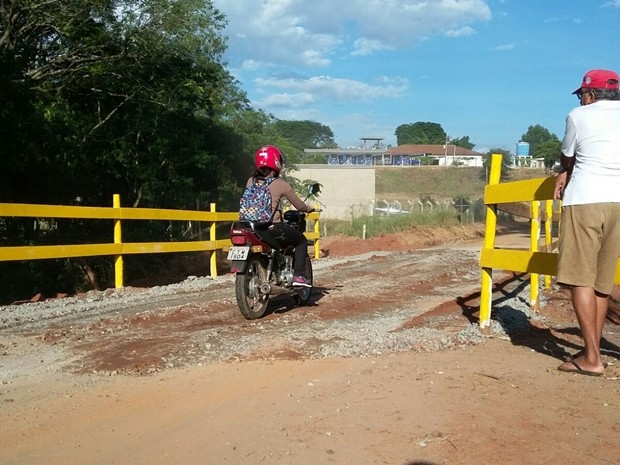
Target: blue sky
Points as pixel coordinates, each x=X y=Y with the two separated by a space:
x=483 y=69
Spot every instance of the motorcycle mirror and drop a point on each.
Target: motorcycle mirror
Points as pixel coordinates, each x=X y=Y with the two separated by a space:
x=314 y=189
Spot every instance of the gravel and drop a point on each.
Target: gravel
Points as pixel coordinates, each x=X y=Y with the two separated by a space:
x=99 y=303
x=299 y=334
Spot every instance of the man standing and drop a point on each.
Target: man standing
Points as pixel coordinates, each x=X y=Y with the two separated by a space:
x=589 y=186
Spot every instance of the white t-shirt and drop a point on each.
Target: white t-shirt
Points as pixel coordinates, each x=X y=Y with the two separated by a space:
x=593 y=137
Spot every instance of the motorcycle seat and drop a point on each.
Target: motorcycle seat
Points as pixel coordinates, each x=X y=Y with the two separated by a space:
x=252 y=225
x=261 y=230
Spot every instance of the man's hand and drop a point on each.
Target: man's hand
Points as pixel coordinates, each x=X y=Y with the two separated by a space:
x=560 y=184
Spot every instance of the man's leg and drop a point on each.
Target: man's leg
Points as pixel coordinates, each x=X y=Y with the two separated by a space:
x=602 y=304
x=591 y=310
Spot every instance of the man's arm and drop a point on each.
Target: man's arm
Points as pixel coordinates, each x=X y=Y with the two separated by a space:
x=567 y=164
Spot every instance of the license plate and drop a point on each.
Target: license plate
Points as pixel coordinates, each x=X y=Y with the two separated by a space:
x=238 y=253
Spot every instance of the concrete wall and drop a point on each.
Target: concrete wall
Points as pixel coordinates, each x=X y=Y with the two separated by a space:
x=347 y=190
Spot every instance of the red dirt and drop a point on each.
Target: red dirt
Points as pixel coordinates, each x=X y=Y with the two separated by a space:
x=502 y=401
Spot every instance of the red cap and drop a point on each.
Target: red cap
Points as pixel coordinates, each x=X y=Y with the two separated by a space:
x=599 y=79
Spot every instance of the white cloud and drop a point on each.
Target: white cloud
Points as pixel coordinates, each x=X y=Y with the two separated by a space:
x=308 y=33
x=286 y=100
x=461 y=32
x=251 y=64
x=365 y=47
x=503 y=48
x=612 y=3
x=333 y=89
x=272 y=40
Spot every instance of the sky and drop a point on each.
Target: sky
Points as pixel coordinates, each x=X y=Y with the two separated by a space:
x=484 y=69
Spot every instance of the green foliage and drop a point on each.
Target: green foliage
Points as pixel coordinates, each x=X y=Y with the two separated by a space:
x=550 y=151
x=315 y=158
x=536 y=134
x=428 y=160
x=472 y=209
x=420 y=133
x=47 y=277
x=129 y=99
x=478 y=210
x=377 y=225
x=428 y=200
x=305 y=134
x=542 y=144
x=428 y=133
x=438 y=183
x=103 y=97
x=462 y=142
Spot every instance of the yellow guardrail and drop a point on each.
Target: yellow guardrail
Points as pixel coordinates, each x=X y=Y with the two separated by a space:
x=118 y=248
x=533 y=261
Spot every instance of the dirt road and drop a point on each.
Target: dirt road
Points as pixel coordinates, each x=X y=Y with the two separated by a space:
x=385 y=367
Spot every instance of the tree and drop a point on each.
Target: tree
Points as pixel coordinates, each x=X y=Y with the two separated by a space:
x=315 y=158
x=506 y=163
x=463 y=142
x=550 y=151
x=541 y=142
x=306 y=134
x=129 y=98
x=99 y=97
x=420 y=133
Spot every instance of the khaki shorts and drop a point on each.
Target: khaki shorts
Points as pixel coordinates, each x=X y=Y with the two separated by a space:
x=589 y=245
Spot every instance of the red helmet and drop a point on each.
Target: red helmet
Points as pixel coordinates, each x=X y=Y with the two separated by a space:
x=269 y=156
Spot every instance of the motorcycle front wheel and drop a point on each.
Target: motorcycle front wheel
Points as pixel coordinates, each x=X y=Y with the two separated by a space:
x=303 y=294
x=252 y=303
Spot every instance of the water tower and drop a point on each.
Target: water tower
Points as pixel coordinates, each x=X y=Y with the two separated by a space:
x=523 y=154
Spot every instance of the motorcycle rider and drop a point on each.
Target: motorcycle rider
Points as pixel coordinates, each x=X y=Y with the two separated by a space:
x=269 y=162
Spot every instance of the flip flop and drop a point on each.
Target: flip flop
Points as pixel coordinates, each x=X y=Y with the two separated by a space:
x=579 y=354
x=578 y=370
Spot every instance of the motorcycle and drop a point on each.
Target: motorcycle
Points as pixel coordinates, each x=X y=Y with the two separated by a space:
x=262 y=267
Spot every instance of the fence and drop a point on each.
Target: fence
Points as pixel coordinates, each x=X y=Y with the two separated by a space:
x=534 y=261
x=118 y=248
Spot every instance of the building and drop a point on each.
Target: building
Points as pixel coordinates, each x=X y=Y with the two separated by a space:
x=402 y=155
x=437 y=154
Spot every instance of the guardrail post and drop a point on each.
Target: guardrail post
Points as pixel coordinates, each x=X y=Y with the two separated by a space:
x=212 y=237
x=486 y=287
x=118 y=239
x=534 y=239
x=317 y=231
x=548 y=235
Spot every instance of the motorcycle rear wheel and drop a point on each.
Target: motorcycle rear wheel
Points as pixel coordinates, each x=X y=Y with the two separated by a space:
x=303 y=294
x=251 y=302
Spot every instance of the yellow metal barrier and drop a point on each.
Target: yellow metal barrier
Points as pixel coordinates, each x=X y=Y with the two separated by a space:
x=530 y=261
x=118 y=248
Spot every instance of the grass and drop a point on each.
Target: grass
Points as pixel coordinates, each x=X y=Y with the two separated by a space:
x=437 y=184
x=433 y=181
x=377 y=225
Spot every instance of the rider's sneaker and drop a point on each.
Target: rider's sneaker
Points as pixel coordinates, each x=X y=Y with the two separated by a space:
x=301 y=281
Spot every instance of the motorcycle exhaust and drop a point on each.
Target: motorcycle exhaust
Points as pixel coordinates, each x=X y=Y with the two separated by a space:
x=267 y=288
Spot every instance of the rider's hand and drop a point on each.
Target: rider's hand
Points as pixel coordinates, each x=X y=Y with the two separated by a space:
x=310 y=209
